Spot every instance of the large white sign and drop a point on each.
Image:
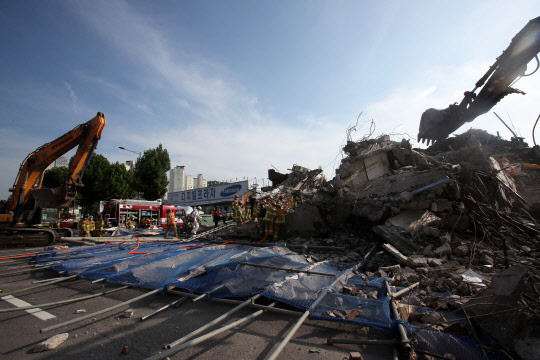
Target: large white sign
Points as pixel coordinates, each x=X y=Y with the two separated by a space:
x=209 y=195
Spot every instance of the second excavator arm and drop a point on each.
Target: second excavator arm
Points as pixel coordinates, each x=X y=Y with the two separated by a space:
x=494 y=85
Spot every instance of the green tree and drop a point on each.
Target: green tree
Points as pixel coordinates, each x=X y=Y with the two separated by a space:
x=105 y=181
x=55 y=177
x=120 y=183
x=151 y=173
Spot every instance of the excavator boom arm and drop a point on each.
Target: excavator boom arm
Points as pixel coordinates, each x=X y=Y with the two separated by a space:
x=31 y=172
x=494 y=85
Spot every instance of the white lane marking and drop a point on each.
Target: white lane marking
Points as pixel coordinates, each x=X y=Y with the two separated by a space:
x=37 y=312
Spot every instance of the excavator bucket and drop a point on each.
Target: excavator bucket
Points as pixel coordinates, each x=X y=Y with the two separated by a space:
x=438 y=124
x=52 y=197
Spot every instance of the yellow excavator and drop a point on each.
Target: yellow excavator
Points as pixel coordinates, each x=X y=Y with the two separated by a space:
x=28 y=196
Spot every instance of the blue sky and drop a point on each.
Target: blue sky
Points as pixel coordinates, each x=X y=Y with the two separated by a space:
x=232 y=88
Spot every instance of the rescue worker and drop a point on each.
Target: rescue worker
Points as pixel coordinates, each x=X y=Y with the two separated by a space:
x=297 y=197
x=223 y=215
x=98 y=232
x=144 y=223
x=92 y=226
x=261 y=215
x=269 y=218
x=85 y=226
x=246 y=213
x=256 y=210
x=80 y=226
x=217 y=215
x=237 y=216
x=234 y=203
x=171 y=224
x=129 y=223
x=279 y=223
x=195 y=218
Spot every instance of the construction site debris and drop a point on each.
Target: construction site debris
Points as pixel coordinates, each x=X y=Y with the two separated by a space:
x=51 y=343
x=431 y=233
x=450 y=217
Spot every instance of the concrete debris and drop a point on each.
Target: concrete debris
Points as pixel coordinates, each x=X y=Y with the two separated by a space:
x=461 y=218
x=51 y=343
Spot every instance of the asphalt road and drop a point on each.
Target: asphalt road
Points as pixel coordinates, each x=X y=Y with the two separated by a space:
x=104 y=336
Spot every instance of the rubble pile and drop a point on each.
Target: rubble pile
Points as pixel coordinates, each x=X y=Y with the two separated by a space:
x=451 y=218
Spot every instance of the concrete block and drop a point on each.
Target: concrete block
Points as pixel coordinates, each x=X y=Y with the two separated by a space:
x=306 y=220
x=441 y=204
x=355 y=356
x=395 y=252
x=376 y=165
x=51 y=343
x=443 y=250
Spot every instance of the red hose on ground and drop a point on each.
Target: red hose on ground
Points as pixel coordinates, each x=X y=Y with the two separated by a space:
x=18 y=256
x=133 y=252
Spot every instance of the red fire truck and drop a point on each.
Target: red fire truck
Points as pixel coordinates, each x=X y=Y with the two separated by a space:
x=116 y=212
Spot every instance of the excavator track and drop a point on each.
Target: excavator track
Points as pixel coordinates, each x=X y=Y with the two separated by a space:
x=63 y=232
x=27 y=237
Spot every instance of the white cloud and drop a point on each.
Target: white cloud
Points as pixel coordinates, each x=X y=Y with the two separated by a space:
x=73 y=97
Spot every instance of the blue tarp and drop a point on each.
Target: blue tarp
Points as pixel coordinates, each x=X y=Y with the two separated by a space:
x=224 y=271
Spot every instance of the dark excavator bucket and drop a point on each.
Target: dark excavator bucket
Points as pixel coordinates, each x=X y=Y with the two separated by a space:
x=438 y=124
x=53 y=197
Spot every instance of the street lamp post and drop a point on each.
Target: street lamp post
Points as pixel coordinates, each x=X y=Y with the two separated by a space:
x=136 y=152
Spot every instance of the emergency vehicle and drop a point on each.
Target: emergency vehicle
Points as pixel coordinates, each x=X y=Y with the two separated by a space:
x=116 y=212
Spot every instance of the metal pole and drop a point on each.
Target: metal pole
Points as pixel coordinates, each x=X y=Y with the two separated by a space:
x=402 y=332
x=403 y=291
x=99 y=312
x=200 y=297
x=40 y=285
x=46 y=280
x=64 y=301
x=174 y=303
x=234 y=302
x=211 y=323
x=287 y=269
x=205 y=337
x=314 y=247
x=395 y=355
x=295 y=328
x=287 y=338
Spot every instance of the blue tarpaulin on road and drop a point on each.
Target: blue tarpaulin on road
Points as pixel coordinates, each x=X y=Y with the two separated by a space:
x=240 y=271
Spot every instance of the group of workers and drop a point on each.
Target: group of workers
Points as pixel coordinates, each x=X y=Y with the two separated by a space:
x=191 y=222
x=88 y=227
x=269 y=214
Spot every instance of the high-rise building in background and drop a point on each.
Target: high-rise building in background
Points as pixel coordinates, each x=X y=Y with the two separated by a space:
x=201 y=183
x=189 y=182
x=130 y=165
x=177 y=179
x=62 y=161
